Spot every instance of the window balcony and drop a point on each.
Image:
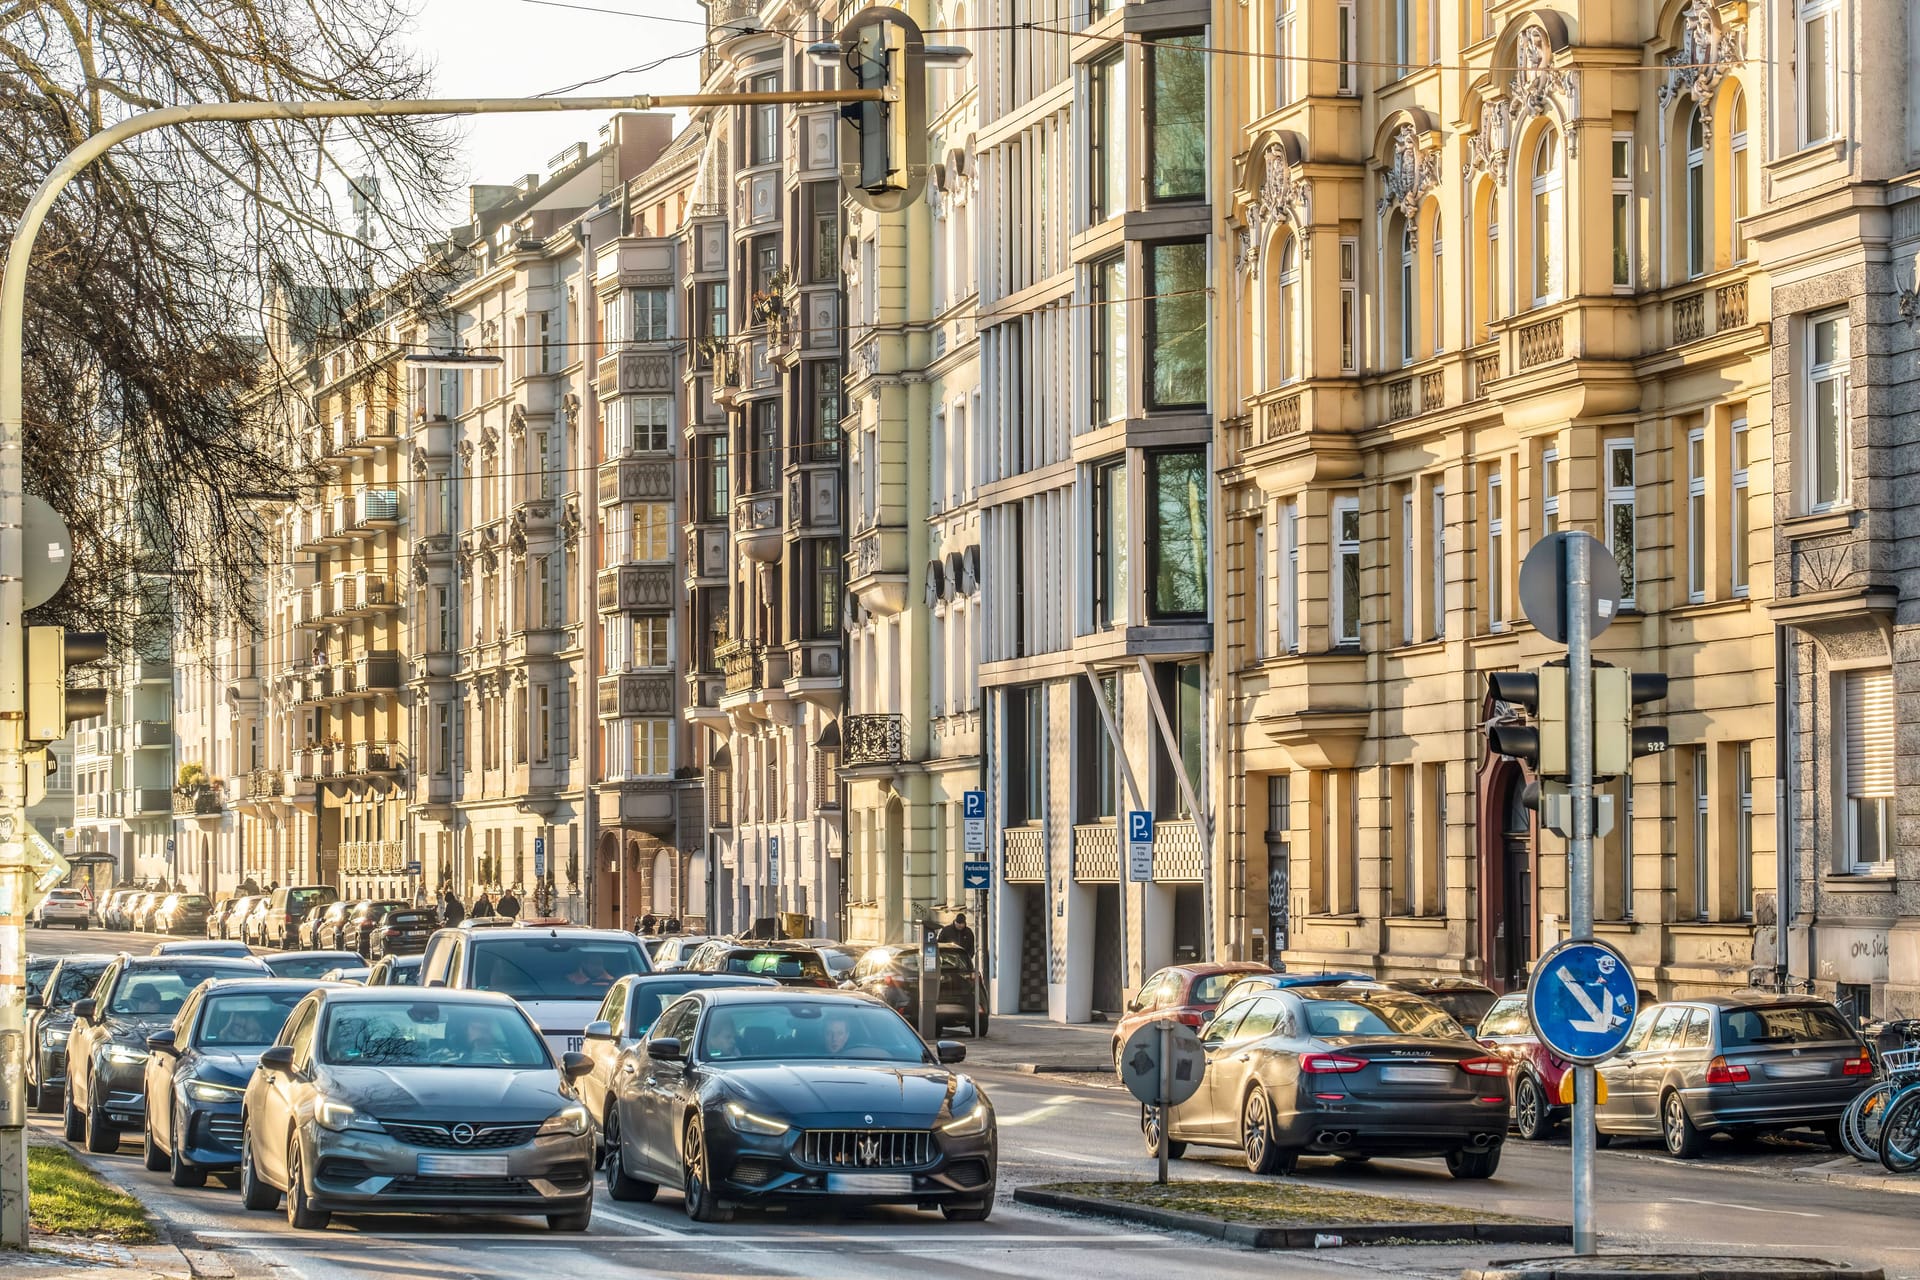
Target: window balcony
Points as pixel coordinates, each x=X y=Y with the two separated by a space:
x=636 y=368
x=704 y=691
x=1178 y=856
x=374 y=428
x=144 y=734
x=146 y=802
x=644 y=475
x=360 y=594
x=207 y=803
x=877 y=569
x=1023 y=855
x=870 y=740
x=637 y=588
x=756 y=527
x=263 y=786
x=636 y=693
x=1096 y=853
x=743 y=663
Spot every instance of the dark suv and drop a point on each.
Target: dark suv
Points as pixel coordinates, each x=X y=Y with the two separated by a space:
x=107 y=1049
x=786 y=964
x=279 y=924
x=50 y=1019
x=893 y=974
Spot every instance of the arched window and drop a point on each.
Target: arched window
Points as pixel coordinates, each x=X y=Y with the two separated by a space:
x=1409 y=323
x=1737 y=172
x=1483 y=250
x=1287 y=327
x=1547 y=255
x=1698 y=242
x=1436 y=281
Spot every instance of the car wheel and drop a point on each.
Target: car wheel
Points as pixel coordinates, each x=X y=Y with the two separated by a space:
x=75 y=1125
x=49 y=1097
x=1531 y=1118
x=571 y=1221
x=1602 y=1141
x=33 y=1091
x=968 y=1210
x=254 y=1192
x=180 y=1172
x=702 y=1204
x=1257 y=1138
x=1676 y=1126
x=619 y=1185
x=151 y=1156
x=101 y=1136
x=1150 y=1133
x=301 y=1215
x=1474 y=1164
x=981 y=1032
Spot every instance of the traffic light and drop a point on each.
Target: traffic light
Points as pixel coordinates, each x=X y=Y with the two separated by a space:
x=1542 y=742
x=883 y=145
x=51 y=706
x=1617 y=741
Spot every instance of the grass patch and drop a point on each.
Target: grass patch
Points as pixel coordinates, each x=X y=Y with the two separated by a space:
x=67 y=1198
x=1279 y=1204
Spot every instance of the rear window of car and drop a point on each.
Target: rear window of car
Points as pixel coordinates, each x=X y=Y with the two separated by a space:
x=1380 y=1016
x=778 y=964
x=192 y=900
x=1507 y=1018
x=150 y=991
x=303 y=899
x=555 y=968
x=1209 y=989
x=1781 y=1024
x=406 y=917
x=66 y=895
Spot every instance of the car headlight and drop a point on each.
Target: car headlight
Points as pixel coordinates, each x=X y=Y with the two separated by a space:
x=970 y=1125
x=207 y=1091
x=570 y=1120
x=53 y=1037
x=339 y=1117
x=746 y=1121
x=125 y=1053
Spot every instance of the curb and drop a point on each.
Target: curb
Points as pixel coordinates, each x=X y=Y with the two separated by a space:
x=1322 y=1236
x=1055 y=1068
x=163 y=1260
x=1892 y=1184
x=1645 y=1266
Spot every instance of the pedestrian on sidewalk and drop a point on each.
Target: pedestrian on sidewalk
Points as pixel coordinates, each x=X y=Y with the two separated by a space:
x=509 y=905
x=451 y=912
x=958 y=931
x=482 y=907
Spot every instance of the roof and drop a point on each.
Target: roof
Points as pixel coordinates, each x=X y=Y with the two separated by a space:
x=264 y=984
x=1749 y=999
x=345 y=993
x=175 y=959
x=521 y=933
x=766 y=995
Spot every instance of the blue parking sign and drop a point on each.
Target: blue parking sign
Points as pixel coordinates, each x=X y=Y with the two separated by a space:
x=977 y=875
x=1582 y=1000
x=973 y=804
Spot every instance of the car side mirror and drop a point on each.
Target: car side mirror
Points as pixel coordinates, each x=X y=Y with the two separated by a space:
x=277 y=1058
x=1133 y=1005
x=161 y=1042
x=575 y=1065
x=1473 y=1032
x=598 y=1030
x=437 y=982
x=35 y=1002
x=950 y=1052
x=666 y=1049
x=83 y=1010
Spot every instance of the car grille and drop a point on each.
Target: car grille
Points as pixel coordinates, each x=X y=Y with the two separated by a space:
x=968 y=1173
x=460 y=1188
x=755 y=1173
x=866 y=1148
x=224 y=1130
x=441 y=1135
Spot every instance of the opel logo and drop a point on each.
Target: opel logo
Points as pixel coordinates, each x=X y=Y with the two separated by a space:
x=462 y=1133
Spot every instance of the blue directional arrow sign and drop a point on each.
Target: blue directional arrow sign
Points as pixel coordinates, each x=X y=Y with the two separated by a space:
x=1582 y=1000
x=978 y=875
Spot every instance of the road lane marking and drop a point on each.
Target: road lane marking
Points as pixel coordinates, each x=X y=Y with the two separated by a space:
x=1748 y=1208
x=1070 y=1155
x=1048 y=1108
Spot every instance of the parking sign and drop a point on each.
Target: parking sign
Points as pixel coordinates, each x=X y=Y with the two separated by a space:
x=539 y=856
x=973 y=810
x=1139 y=845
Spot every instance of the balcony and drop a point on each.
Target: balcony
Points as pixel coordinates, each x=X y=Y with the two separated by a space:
x=143 y=734
x=433 y=438
x=265 y=785
x=1178 y=856
x=376 y=509
x=373 y=429
x=703 y=698
x=728 y=381
x=1096 y=853
x=645 y=476
x=198 y=804
x=1023 y=855
x=313 y=528
x=146 y=802
x=636 y=693
x=366 y=759
x=372 y=857
x=637 y=588
x=537 y=642
x=870 y=740
x=640 y=369
x=744 y=665
x=370 y=673
x=87 y=808
x=756 y=527
x=359 y=594
x=1708 y=313
x=877 y=569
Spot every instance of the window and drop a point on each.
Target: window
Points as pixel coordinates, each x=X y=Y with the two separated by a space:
x=1546 y=218
x=1285 y=78
x=828 y=583
x=1289 y=602
x=825 y=380
x=712 y=309
x=1402 y=37
x=442 y=621
x=1349 y=305
x=1408 y=557
x=650 y=633
x=540 y=608
x=1623 y=211
x=1110 y=544
x=1702 y=820
x=1096 y=785
x=542 y=722
x=763 y=123
x=1288 y=319
x=1696 y=195
x=1737 y=173
x=1347 y=36
x=1549 y=492
x=1815 y=21
x=764 y=264
x=712 y=454
x=1868 y=763
x=1177 y=325
x=652 y=531
x=652 y=422
x=1256 y=571
x=1438 y=523
x=1697 y=515
x=1183 y=691
x=1496 y=579
x=1176 y=68
x=1346 y=571
x=442 y=738
x=1743 y=833
x=1408 y=325
x=1107 y=140
x=823 y=262
x=1738 y=534
x=1110 y=341
x=1826 y=414
x=1026 y=753
x=763 y=446
x=649 y=314
x=1177 y=550
x=1618 y=460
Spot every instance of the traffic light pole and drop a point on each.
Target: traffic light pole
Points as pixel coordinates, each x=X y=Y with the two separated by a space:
x=16 y=863
x=1580 y=735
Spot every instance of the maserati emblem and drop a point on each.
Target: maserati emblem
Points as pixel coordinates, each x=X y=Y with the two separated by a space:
x=462 y=1133
x=867 y=1151
x=868 y=1119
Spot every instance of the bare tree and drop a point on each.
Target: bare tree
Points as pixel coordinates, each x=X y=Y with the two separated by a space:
x=153 y=405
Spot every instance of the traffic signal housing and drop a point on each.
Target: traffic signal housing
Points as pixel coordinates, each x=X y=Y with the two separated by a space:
x=1617 y=741
x=1541 y=743
x=883 y=145
x=51 y=706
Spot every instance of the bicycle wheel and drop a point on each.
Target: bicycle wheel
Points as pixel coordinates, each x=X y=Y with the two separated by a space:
x=1900 y=1134
x=1860 y=1126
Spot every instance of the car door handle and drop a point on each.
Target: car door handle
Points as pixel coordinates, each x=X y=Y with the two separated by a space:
x=628 y=1069
x=1242 y=1057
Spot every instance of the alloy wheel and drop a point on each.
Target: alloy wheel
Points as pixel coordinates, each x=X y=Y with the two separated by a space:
x=1254 y=1135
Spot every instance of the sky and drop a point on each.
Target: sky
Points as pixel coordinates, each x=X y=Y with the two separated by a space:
x=524 y=48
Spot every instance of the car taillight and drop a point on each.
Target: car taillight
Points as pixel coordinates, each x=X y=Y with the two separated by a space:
x=1720 y=1071
x=1189 y=1018
x=894 y=980
x=1485 y=1066
x=1860 y=1066
x=1316 y=1064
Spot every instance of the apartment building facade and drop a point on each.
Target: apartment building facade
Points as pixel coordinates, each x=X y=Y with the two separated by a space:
x=123 y=767
x=219 y=741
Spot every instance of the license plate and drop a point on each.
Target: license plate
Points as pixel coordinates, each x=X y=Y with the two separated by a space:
x=871 y=1184
x=463 y=1166
x=1416 y=1075
x=1797 y=1070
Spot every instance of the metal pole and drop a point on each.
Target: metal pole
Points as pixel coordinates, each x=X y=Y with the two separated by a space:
x=1580 y=852
x=1166 y=1092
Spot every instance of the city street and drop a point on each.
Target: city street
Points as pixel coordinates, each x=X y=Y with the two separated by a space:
x=1052 y=1130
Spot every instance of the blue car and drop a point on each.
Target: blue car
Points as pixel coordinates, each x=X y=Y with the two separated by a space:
x=198 y=1070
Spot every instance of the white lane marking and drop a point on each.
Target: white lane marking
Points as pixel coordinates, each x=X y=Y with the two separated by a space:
x=1048 y=1108
x=1748 y=1208
x=1069 y=1155
x=644 y=1224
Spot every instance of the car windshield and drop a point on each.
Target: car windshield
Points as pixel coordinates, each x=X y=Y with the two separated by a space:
x=778 y=964
x=1380 y=1016
x=557 y=967
x=1783 y=1024
x=302 y=966
x=399 y=918
x=1507 y=1018
x=77 y=982
x=423 y=1033
x=808 y=1030
x=401 y=975
x=299 y=900
x=1209 y=989
x=245 y=1019
x=37 y=975
x=155 y=992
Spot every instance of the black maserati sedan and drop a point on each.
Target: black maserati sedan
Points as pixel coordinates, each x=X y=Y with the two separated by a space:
x=753 y=1097
x=199 y=1068
x=50 y=1021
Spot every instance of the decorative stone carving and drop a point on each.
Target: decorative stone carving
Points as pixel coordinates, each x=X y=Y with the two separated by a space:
x=1411 y=176
x=1709 y=51
x=1487 y=148
x=1283 y=197
x=1539 y=87
x=516 y=422
x=489 y=443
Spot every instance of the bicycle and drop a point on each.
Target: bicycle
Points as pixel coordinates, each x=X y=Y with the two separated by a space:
x=1899 y=1069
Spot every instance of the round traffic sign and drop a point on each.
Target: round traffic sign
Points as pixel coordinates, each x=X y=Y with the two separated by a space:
x=46 y=552
x=1545 y=596
x=1582 y=1000
x=1140 y=1060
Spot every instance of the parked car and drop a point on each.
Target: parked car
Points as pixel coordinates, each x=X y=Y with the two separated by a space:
x=200 y=947
x=1534 y=1071
x=1465 y=999
x=233 y=924
x=253 y=925
x=362 y=1103
x=1746 y=1063
x=784 y=962
x=625 y=1016
x=892 y=975
x=402 y=931
x=140 y=911
x=182 y=913
x=217 y=917
x=71 y=907
x=113 y=909
x=198 y=1071
x=676 y=949
x=355 y=930
x=39 y=973
x=316 y=928
x=395 y=971
x=1342 y=1071
x=310 y=964
x=1187 y=993
x=800 y=1098
x=50 y=1020
x=107 y=1048
x=287 y=908
x=560 y=976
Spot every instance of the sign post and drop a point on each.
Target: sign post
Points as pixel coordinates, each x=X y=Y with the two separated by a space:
x=978 y=874
x=929 y=979
x=1162 y=1064
x=1139 y=846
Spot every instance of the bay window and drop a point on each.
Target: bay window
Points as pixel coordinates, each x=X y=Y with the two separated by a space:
x=1177 y=318
x=1176 y=69
x=1177 y=547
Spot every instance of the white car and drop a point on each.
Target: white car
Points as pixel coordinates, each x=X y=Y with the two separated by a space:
x=560 y=976
x=66 y=906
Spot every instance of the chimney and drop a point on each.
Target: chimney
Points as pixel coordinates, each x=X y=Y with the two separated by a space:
x=482 y=198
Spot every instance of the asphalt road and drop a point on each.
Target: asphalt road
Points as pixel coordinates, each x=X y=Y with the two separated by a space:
x=1050 y=1131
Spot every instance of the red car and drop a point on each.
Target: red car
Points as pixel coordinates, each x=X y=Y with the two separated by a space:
x=1534 y=1070
x=1185 y=992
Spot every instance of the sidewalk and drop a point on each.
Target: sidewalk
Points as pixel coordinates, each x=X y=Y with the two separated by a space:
x=1030 y=1042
